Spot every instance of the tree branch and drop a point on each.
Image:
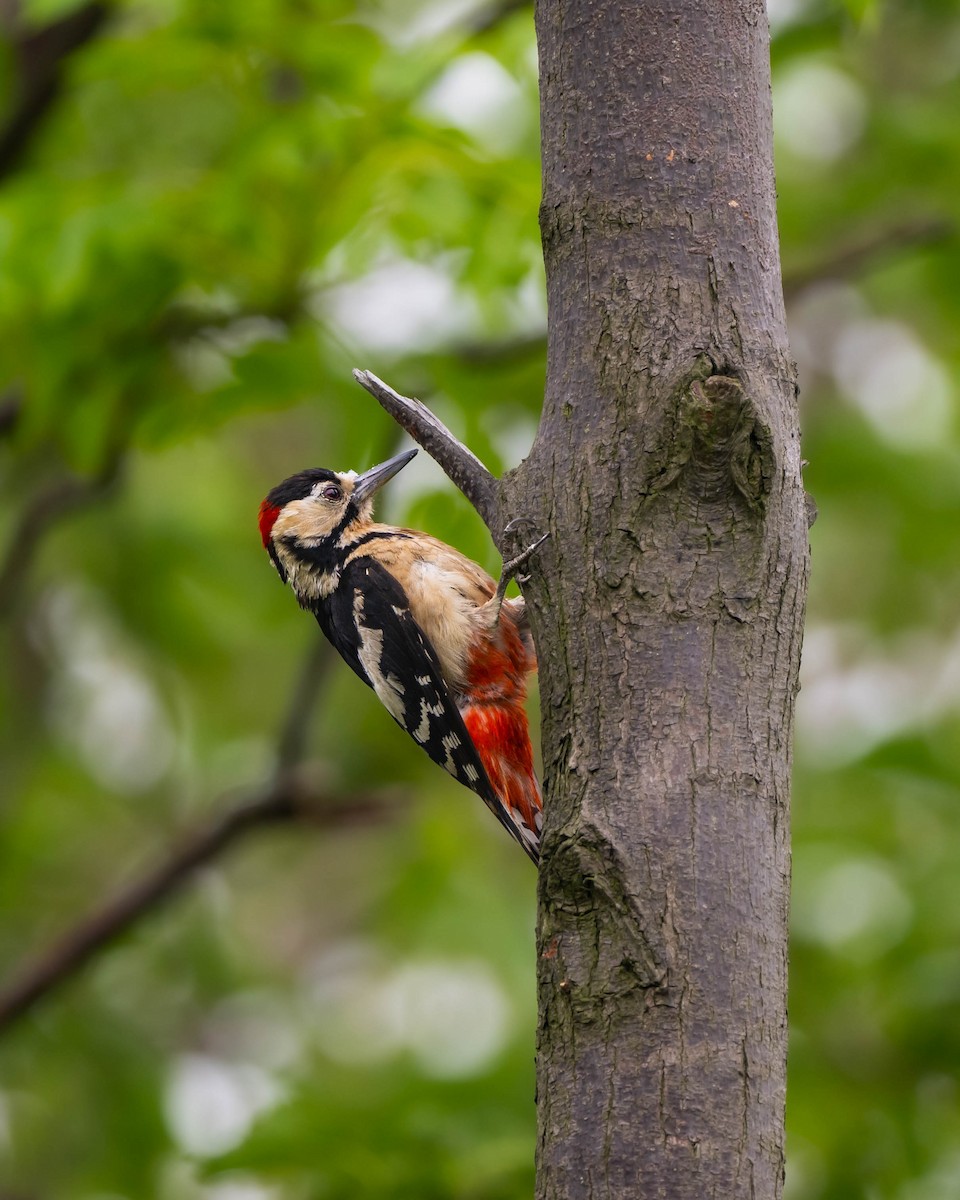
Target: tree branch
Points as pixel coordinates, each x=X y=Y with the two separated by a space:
x=504 y=352
x=460 y=464
x=855 y=258
x=284 y=801
x=493 y=17
x=61 y=497
x=40 y=57
x=286 y=798
x=292 y=738
x=11 y=406
x=849 y=261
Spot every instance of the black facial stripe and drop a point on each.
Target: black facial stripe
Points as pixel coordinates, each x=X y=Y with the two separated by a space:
x=297 y=487
x=281 y=570
x=373 y=534
x=349 y=515
x=325 y=556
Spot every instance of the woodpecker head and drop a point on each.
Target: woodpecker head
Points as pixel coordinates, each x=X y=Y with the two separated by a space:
x=315 y=507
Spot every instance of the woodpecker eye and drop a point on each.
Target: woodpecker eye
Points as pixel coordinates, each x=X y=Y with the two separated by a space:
x=331 y=492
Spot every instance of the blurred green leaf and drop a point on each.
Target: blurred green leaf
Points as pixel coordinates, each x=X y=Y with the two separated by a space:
x=177 y=247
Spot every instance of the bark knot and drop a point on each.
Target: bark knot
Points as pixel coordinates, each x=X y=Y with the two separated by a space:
x=597 y=946
x=718 y=447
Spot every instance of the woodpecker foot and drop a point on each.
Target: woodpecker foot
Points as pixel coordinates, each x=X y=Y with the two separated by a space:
x=510 y=569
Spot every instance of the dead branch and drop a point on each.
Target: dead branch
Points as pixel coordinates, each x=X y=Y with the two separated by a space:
x=460 y=464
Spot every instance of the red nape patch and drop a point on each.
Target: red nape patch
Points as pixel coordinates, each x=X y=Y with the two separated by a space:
x=268 y=515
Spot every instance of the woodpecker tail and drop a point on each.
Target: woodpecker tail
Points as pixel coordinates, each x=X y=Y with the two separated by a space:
x=502 y=738
x=493 y=712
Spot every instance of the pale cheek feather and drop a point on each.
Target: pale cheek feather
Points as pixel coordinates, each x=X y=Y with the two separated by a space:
x=356 y=526
x=305 y=520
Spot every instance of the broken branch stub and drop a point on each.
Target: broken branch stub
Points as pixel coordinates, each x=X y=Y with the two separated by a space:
x=460 y=464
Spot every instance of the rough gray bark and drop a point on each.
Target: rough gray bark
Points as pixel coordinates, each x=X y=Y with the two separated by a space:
x=667 y=606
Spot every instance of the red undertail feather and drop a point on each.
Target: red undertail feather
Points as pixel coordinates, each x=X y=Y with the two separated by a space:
x=497 y=723
x=502 y=739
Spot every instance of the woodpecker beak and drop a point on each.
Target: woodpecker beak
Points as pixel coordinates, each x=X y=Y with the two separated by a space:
x=370 y=482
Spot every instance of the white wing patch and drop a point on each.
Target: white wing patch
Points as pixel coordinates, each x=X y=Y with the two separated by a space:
x=389 y=689
x=422 y=732
x=450 y=743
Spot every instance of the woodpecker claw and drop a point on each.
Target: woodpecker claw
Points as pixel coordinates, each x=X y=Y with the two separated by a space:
x=510 y=569
x=516 y=523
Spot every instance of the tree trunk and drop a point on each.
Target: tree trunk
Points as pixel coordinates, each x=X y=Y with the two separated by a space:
x=667 y=605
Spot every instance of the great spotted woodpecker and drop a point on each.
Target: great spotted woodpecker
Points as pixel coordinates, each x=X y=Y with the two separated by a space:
x=422 y=625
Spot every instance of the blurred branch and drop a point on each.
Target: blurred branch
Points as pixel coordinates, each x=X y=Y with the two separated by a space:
x=495 y=14
x=40 y=56
x=460 y=464
x=68 y=493
x=859 y=256
x=285 y=800
x=11 y=406
x=844 y=262
x=503 y=352
x=292 y=740
x=182 y=321
x=60 y=498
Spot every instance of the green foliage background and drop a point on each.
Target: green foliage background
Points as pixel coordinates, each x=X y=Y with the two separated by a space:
x=226 y=208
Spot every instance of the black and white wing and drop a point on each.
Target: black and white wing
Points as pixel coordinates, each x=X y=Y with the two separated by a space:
x=368 y=620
